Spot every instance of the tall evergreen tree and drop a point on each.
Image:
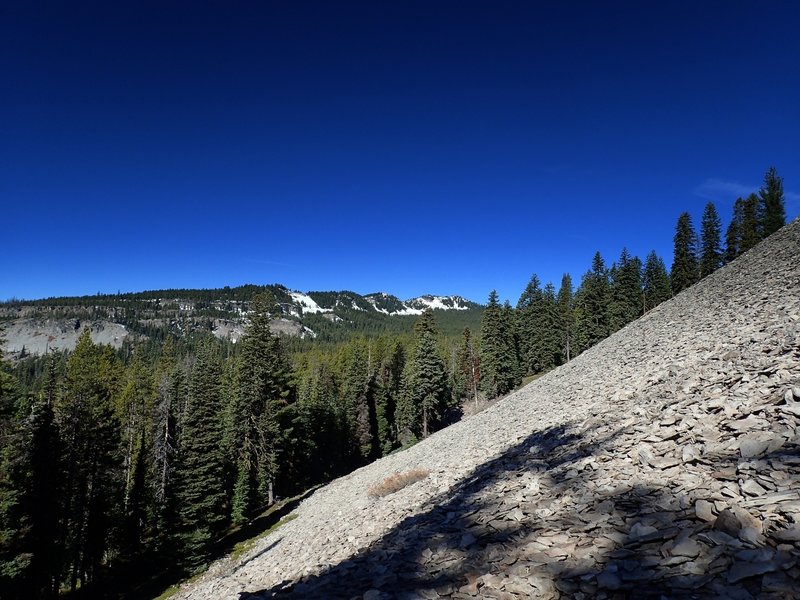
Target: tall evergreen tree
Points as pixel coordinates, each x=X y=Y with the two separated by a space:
x=773 y=210
x=358 y=391
x=711 y=249
x=171 y=395
x=390 y=387
x=200 y=487
x=468 y=366
x=656 y=284
x=134 y=408
x=750 y=231
x=593 y=301
x=733 y=235
x=43 y=497
x=499 y=359
x=626 y=291
x=566 y=313
x=262 y=388
x=528 y=325
x=685 y=270
x=90 y=433
x=328 y=440
x=547 y=343
x=15 y=555
x=426 y=387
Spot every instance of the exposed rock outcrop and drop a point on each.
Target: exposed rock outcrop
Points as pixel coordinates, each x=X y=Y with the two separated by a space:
x=664 y=462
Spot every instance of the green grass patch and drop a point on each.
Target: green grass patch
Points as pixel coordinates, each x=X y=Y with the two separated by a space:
x=245 y=546
x=173 y=589
x=529 y=378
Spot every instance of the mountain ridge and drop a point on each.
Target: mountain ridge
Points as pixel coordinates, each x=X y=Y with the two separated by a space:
x=35 y=326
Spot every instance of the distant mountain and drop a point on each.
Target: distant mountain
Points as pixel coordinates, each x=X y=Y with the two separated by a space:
x=392 y=305
x=53 y=323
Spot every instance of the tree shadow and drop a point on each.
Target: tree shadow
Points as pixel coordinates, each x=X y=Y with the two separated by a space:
x=546 y=519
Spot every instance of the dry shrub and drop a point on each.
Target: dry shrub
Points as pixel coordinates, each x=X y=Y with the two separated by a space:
x=396 y=482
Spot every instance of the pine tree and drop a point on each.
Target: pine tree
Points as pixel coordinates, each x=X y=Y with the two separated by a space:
x=15 y=555
x=200 y=487
x=328 y=439
x=171 y=396
x=390 y=386
x=358 y=391
x=426 y=387
x=711 y=250
x=261 y=391
x=548 y=338
x=626 y=291
x=773 y=210
x=90 y=434
x=499 y=358
x=468 y=366
x=566 y=314
x=685 y=270
x=527 y=317
x=733 y=235
x=593 y=301
x=134 y=408
x=751 y=225
x=656 y=284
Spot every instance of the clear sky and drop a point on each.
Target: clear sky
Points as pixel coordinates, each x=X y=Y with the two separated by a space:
x=446 y=147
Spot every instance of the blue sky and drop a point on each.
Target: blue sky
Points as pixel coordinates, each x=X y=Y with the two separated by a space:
x=447 y=147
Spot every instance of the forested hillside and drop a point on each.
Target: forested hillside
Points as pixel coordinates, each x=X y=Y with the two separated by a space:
x=118 y=461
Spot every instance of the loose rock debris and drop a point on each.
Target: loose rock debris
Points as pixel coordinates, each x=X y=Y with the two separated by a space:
x=662 y=463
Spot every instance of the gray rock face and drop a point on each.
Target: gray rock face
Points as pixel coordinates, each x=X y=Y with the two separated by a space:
x=664 y=462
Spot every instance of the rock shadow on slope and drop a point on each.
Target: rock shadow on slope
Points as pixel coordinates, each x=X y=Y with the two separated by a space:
x=548 y=519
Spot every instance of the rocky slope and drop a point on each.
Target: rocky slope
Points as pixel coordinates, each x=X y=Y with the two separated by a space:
x=664 y=462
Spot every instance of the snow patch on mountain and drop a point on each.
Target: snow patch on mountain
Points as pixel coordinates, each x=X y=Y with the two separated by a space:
x=391 y=305
x=307 y=303
x=438 y=303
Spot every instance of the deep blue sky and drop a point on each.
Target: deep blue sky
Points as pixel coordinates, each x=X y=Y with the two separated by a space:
x=446 y=147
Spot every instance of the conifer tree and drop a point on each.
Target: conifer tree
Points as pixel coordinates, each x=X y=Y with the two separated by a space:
x=547 y=343
x=200 y=487
x=685 y=270
x=358 y=392
x=261 y=390
x=468 y=366
x=711 y=249
x=733 y=235
x=366 y=420
x=528 y=325
x=566 y=313
x=626 y=291
x=390 y=386
x=90 y=434
x=171 y=395
x=656 y=284
x=15 y=556
x=328 y=439
x=537 y=327
x=593 y=300
x=773 y=210
x=43 y=497
x=426 y=388
x=499 y=358
x=750 y=231
x=511 y=332
x=134 y=407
